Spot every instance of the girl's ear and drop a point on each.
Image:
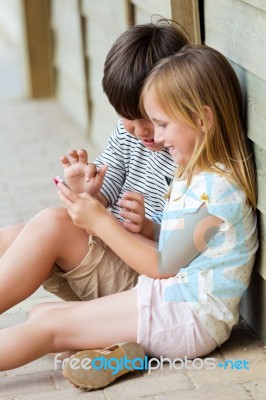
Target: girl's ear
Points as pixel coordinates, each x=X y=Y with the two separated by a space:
x=208 y=114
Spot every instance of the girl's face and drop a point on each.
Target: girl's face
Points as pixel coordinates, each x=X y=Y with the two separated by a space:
x=177 y=137
x=143 y=130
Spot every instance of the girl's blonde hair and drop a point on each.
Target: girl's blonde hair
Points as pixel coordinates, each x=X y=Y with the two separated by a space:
x=184 y=84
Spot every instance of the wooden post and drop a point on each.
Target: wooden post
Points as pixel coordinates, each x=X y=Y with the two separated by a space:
x=129 y=6
x=38 y=48
x=187 y=14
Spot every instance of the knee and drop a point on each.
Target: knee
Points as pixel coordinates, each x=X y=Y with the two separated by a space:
x=53 y=219
x=49 y=319
x=55 y=215
x=7 y=236
x=37 y=310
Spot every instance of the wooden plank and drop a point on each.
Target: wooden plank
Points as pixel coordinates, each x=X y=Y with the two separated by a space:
x=261 y=4
x=260 y=157
x=161 y=7
x=72 y=96
x=129 y=12
x=254 y=93
x=69 y=60
x=100 y=36
x=105 y=14
x=65 y=18
x=238 y=30
x=260 y=264
x=11 y=22
x=36 y=16
x=187 y=14
x=142 y=16
x=253 y=307
x=103 y=123
x=68 y=57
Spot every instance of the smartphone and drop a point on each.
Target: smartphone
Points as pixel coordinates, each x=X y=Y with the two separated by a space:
x=57 y=179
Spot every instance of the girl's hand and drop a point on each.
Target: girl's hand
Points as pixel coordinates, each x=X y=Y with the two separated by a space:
x=133 y=210
x=81 y=176
x=84 y=210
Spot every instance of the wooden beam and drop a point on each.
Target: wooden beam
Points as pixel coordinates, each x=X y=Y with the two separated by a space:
x=253 y=306
x=38 y=48
x=129 y=12
x=186 y=13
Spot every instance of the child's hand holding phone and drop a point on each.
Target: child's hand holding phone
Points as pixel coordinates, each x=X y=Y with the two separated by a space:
x=84 y=209
x=57 y=179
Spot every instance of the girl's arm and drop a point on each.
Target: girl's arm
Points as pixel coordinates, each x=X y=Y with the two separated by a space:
x=87 y=213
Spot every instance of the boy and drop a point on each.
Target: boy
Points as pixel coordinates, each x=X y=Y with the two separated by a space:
x=63 y=263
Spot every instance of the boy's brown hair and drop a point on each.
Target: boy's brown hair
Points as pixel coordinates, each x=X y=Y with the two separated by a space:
x=132 y=57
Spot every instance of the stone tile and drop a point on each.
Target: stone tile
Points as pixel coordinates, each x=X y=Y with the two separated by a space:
x=224 y=392
x=43 y=364
x=256 y=389
x=26 y=384
x=37 y=137
x=65 y=394
x=7 y=398
x=148 y=385
x=214 y=377
x=59 y=381
x=243 y=345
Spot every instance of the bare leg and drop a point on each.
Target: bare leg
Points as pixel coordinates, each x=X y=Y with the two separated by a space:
x=49 y=238
x=7 y=236
x=40 y=308
x=84 y=325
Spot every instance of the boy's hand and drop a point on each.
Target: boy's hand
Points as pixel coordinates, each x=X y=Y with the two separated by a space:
x=133 y=210
x=75 y=164
x=94 y=179
x=81 y=176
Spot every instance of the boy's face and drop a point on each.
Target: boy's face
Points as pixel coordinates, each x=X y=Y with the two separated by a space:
x=143 y=130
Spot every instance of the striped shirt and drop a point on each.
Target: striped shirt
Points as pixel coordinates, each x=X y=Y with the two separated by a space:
x=134 y=168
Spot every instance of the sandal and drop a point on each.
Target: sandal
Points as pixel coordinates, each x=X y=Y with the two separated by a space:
x=95 y=369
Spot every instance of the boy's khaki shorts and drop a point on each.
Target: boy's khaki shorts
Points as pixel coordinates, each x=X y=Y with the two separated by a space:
x=100 y=273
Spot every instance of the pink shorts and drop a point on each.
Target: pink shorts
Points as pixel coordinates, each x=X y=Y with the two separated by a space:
x=168 y=329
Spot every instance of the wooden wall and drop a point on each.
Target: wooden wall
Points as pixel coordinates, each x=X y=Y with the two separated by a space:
x=83 y=32
x=103 y=23
x=237 y=28
x=68 y=59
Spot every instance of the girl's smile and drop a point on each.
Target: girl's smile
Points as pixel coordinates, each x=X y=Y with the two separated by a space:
x=176 y=136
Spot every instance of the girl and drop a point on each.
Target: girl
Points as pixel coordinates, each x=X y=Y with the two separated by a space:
x=188 y=295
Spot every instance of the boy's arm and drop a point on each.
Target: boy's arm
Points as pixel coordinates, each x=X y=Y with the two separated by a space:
x=75 y=165
x=114 y=157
